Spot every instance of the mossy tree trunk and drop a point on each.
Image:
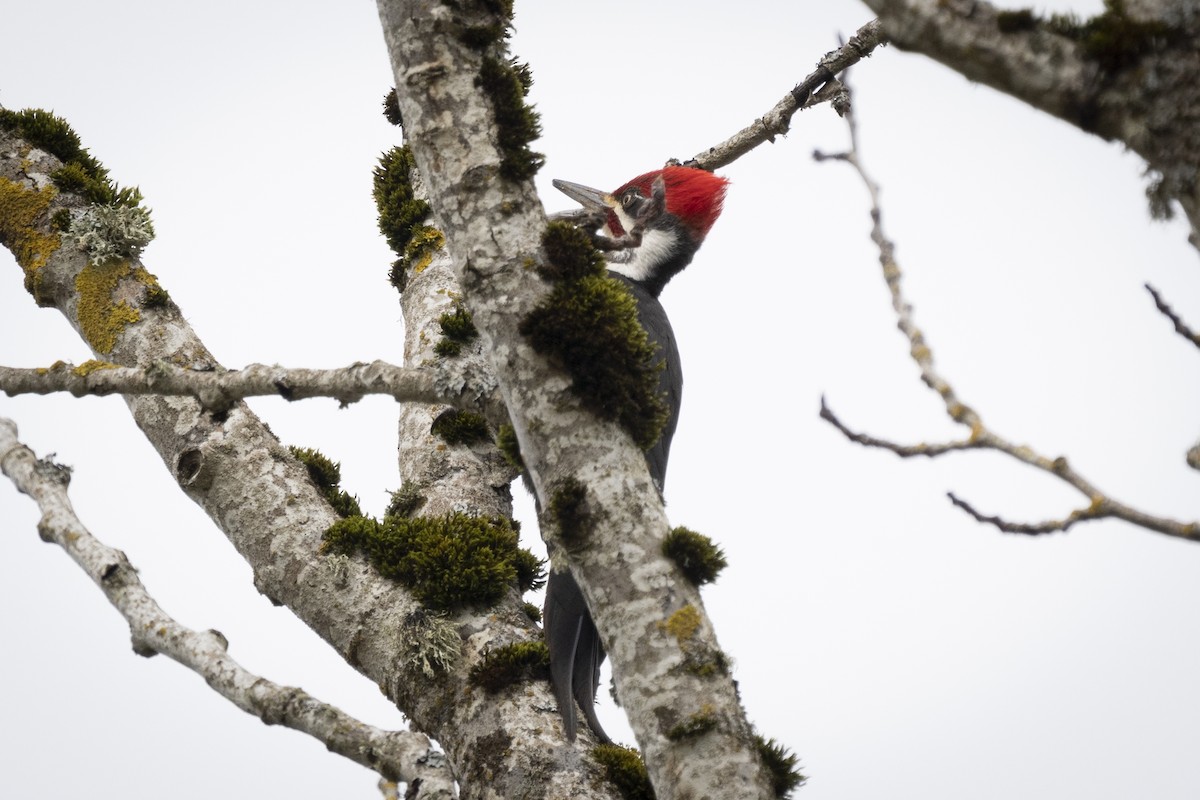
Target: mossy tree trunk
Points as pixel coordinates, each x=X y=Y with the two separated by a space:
x=459 y=120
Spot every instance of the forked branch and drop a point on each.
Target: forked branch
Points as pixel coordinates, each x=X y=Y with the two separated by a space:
x=396 y=755
x=1099 y=505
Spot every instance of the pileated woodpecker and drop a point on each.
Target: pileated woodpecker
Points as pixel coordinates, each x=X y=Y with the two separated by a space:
x=652 y=227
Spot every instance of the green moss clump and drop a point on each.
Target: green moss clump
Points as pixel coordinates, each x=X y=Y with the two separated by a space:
x=501 y=8
x=458 y=324
x=481 y=37
x=447 y=562
x=624 y=769
x=531 y=571
x=458 y=330
x=327 y=475
x=47 y=131
x=699 y=559
x=76 y=179
x=696 y=725
x=705 y=663
x=532 y=611
x=81 y=172
x=1016 y=20
x=1113 y=39
x=399 y=209
x=156 y=296
x=402 y=215
x=782 y=764
x=590 y=327
x=570 y=254
x=569 y=510
x=461 y=427
x=391 y=108
x=510 y=448
x=405 y=501
x=504 y=666
x=506 y=84
x=115 y=222
x=589 y=324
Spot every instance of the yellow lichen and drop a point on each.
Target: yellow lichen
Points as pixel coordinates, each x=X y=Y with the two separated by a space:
x=91 y=365
x=101 y=319
x=22 y=220
x=422 y=247
x=683 y=624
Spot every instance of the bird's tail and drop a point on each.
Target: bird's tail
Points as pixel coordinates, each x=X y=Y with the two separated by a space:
x=575 y=653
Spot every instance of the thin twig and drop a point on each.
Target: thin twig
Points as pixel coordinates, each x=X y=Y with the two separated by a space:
x=818 y=87
x=902 y=450
x=1180 y=326
x=1034 y=529
x=1100 y=506
x=398 y=755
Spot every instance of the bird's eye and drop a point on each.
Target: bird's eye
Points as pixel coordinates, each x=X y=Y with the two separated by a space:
x=630 y=198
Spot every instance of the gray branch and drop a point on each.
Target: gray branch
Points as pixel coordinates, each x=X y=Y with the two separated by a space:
x=397 y=755
x=218 y=389
x=820 y=86
x=1181 y=327
x=1100 y=505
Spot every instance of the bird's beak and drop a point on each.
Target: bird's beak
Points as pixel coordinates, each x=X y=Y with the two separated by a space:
x=589 y=198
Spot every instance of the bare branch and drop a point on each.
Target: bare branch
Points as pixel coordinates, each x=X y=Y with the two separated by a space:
x=218 y=389
x=1193 y=453
x=398 y=755
x=902 y=450
x=1180 y=326
x=1050 y=526
x=818 y=87
x=981 y=437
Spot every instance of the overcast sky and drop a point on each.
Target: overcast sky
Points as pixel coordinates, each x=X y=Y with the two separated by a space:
x=901 y=649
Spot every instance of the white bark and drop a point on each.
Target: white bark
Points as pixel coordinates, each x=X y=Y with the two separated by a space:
x=475 y=479
x=218 y=390
x=401 y=755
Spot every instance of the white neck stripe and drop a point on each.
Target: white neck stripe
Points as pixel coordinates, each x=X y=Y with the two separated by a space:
x=644 y=261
